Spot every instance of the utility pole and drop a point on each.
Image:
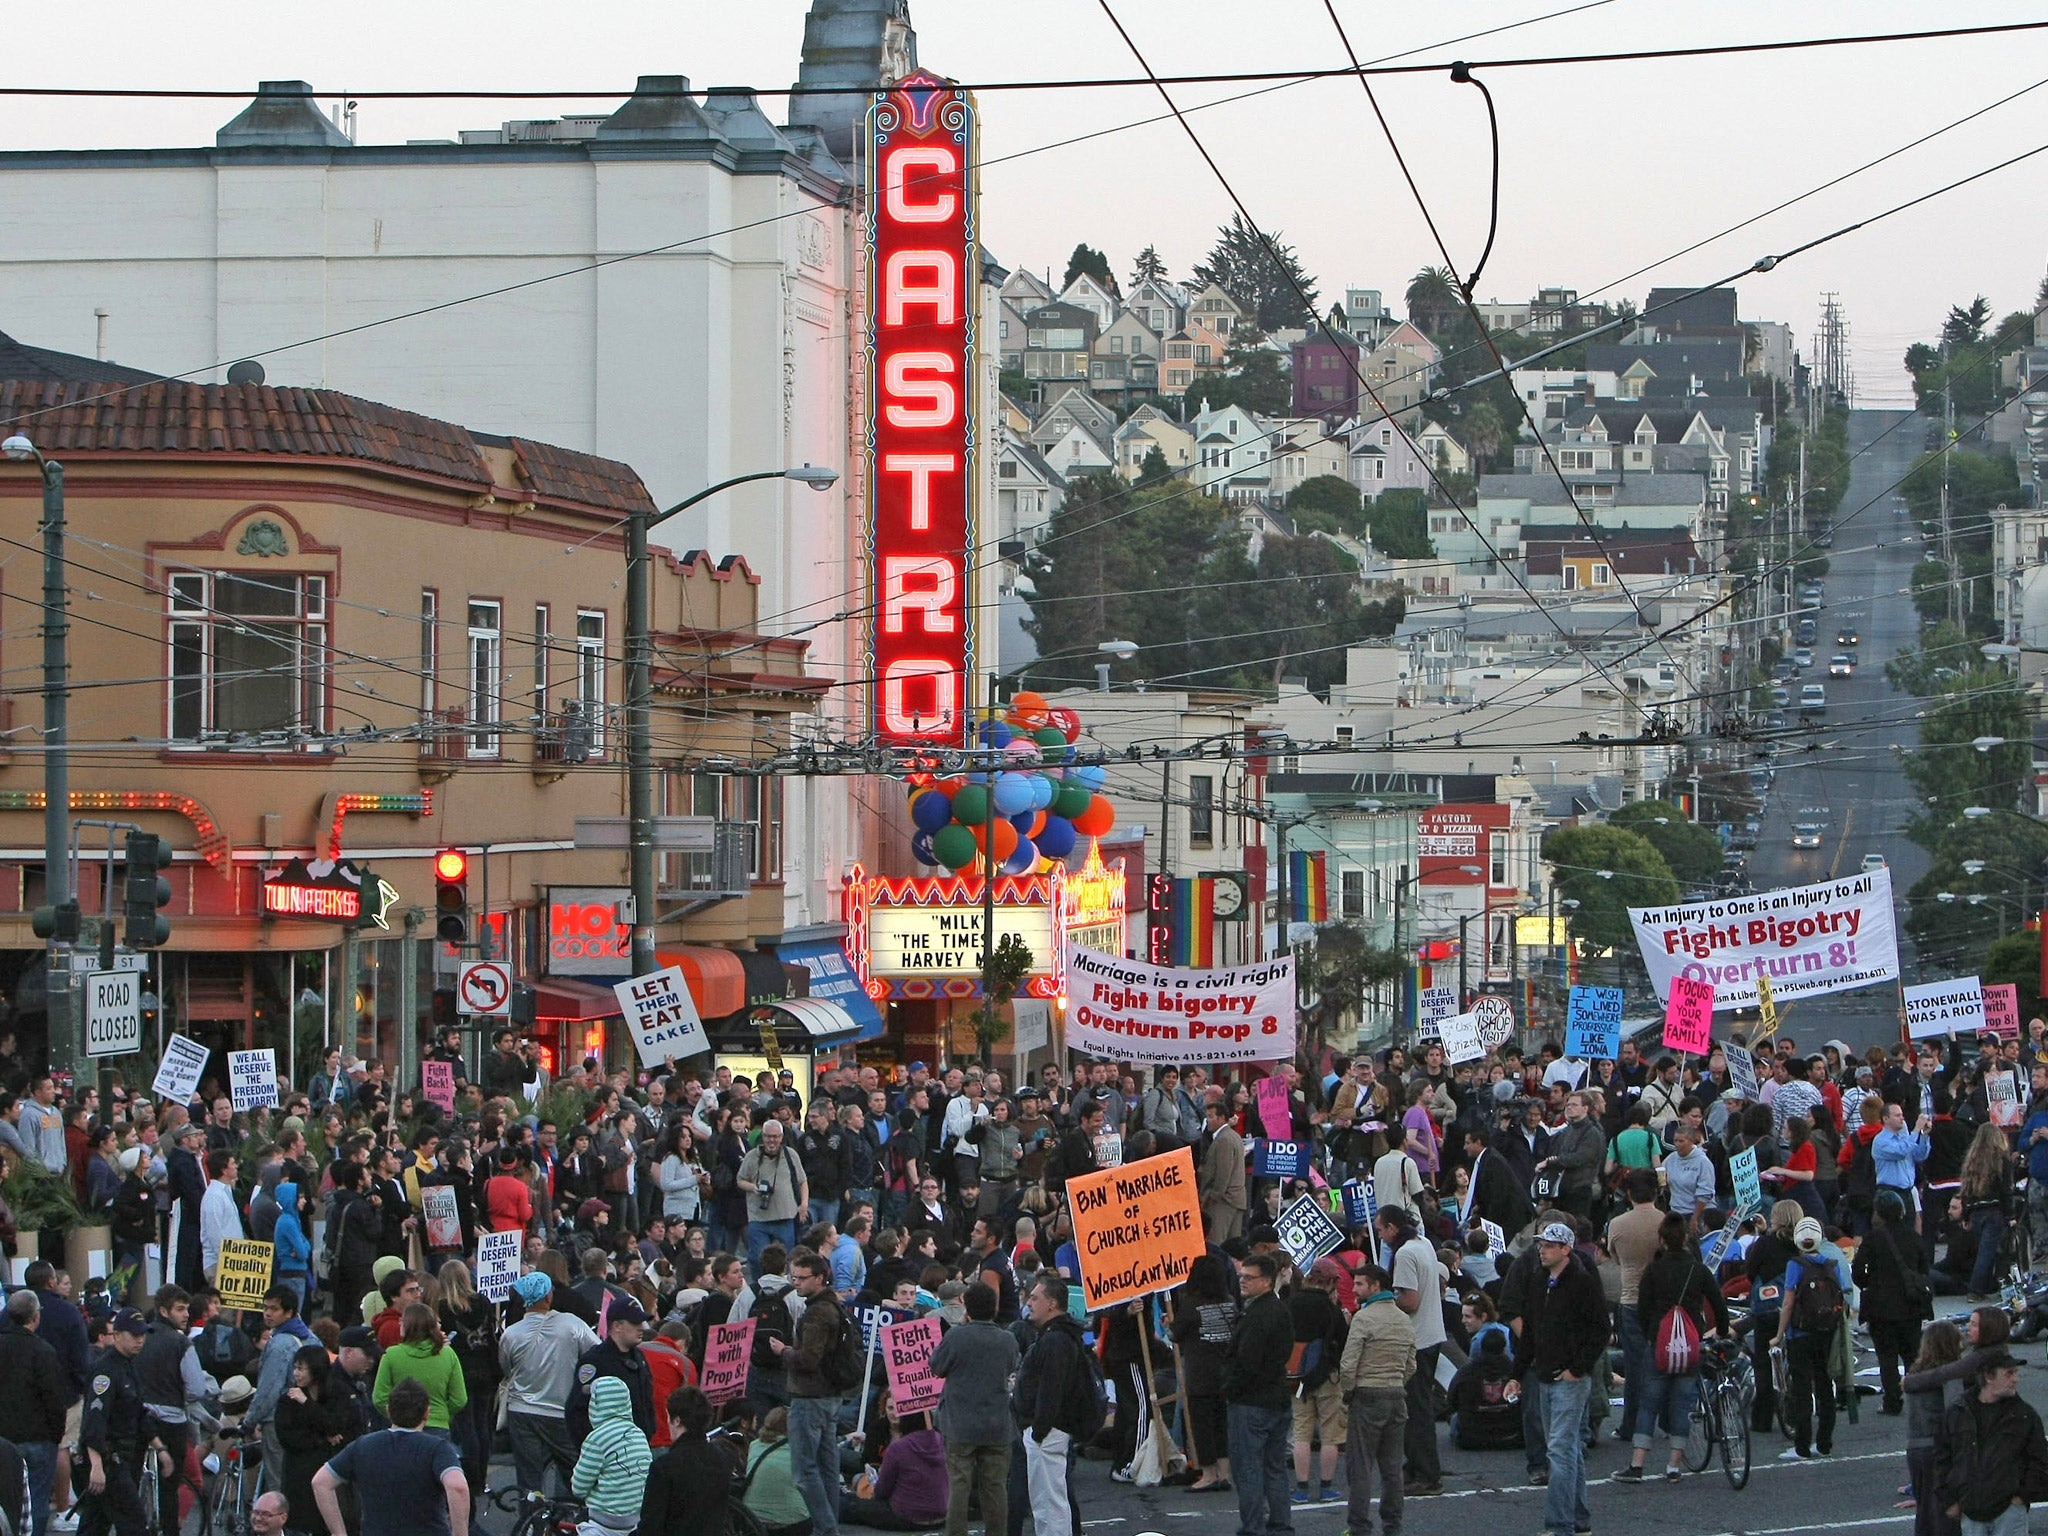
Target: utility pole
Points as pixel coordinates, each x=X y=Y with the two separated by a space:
x=1948 y=437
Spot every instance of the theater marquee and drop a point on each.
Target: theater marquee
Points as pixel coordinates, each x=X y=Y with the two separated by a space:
x=922 y=283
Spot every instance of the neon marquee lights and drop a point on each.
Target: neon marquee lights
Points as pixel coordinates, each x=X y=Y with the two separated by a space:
x=922 y=276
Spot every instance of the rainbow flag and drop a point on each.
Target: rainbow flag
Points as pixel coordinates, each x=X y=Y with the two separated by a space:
x=1308 y=894
x=1194 y=921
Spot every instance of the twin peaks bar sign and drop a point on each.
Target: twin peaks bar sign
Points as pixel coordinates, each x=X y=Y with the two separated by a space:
x=333 y=890
x=923 y=278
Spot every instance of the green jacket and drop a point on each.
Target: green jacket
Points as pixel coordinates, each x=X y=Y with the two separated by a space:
x=771 y=1495
x=439 y=1371
x=611 y=1470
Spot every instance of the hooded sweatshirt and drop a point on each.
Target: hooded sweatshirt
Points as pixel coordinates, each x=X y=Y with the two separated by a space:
x=263 y=1205
x=611 y=1471
x=294 y=1253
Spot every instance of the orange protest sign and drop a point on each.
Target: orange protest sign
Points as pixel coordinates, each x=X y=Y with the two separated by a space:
x=1137 y=1228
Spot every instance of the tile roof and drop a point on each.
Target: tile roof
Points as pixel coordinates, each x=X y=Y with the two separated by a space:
x=239 y=420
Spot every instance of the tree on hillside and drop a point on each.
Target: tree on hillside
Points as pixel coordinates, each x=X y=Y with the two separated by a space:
x=1155 y=470
x=1484 y=432
x=1434 y=299
x=1397 y=522
x=1116 y=564
x=1293 y=612
x=1149 y=267
x=1949 y=770
x=1607 y=870
x=1692 y=851
x=1328 y=503
x=1265 y=278
x=1965 y=323
x=2009 y=850
x=1086 y=259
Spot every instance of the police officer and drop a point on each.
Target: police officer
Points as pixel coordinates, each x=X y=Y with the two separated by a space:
x=115 y=1433
x=617 y=1354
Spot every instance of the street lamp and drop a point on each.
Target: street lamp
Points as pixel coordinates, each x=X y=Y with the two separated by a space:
x=56 y=700
x=640 y=694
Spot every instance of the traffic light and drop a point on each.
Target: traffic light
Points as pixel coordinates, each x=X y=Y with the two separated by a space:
x=59 y=922
x=145 y=892
x=445 y=1015
x=451 y=896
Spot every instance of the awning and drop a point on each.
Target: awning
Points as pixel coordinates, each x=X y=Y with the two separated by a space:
x=767 y=982
x=558 y=999
x=717 y=980
x=833 y=979
x=823 y=1021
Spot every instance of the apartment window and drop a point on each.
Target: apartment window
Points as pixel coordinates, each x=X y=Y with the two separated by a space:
x=542 y=639
x=590 y=674
x=1601 y=576
x=248 y=655
x=1201 y=811
x=1352 y=898
x=757 y=800
x=1116 y=343
x=1346 y=734
x=486 y=677
x=430 y=651
x=1500 y=865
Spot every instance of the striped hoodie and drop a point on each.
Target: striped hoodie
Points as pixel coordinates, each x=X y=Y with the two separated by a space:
x=611 y=1471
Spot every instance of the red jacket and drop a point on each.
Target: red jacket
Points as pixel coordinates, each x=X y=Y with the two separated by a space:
x=670 y=1368
x=508 y=1203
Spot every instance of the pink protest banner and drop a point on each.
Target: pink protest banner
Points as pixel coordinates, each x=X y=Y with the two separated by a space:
x=1689 y=1017
x=907 y=1349
x=725 y=1360
x=437 y=1083
x=1274 y=1114
x=2002 y=1011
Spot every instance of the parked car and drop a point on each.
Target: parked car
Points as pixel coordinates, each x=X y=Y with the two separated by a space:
x=1802 y=658
x=1781 y=696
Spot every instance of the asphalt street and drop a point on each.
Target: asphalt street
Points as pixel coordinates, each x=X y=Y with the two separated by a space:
x=1856 y=1489
x=1845 y=767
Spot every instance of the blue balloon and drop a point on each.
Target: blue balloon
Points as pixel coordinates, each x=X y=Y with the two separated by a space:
x=1056 y=838
x=931 y=811
x=995 y=733
x=1094 y=776
x=1023 y=858
x=977 y=777
x=1013 y=793
x=1042 y=791
x=921 y=848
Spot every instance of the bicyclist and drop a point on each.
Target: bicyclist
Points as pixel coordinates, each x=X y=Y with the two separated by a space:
x=168 y=1372
x=115 y=1432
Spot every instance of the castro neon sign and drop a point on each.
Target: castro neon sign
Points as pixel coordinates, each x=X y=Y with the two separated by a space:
x=921 y=283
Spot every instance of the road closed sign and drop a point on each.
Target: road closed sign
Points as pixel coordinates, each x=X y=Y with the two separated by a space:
x=662 y=1016
x=483 y=989
x=113 y=1013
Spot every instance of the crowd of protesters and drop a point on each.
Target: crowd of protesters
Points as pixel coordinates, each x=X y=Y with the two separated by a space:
x=1545 y=1233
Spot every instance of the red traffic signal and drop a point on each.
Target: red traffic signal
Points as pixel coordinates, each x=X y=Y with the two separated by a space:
x=451 y=864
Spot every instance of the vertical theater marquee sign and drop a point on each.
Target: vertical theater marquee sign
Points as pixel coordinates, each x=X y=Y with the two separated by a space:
x=922 y=284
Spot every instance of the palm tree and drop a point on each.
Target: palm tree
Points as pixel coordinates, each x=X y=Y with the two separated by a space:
x=1434 y=298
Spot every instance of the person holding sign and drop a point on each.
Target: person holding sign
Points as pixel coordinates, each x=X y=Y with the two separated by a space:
x=220 y=1218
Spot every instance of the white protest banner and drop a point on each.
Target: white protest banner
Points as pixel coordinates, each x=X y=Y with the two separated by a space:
x=252 y=1078
x=1945 y=1007
x=1496 y=1240
x=1432 y=1006
x=2002 y=1090
x=444 y=1220
x=1496 y=1017
x=1749 y=1189
x=177 y=1075
x=662 y=1016
x=497 y=1263
x=1459 y=1036
x=1128 y=1011
x=1032 y=1018
x=1307 y=1232
x=1741 y=1071
x=1807 y=939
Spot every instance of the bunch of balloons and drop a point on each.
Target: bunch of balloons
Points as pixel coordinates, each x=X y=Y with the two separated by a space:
x=1043 y=803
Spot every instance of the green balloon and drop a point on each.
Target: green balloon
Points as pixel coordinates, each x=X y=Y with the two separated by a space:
x=955 y=846
x=1049 y=736
x=1070 y=802
x=970 y=805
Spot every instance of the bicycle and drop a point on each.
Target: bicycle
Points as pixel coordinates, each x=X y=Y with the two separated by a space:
x=1720 y=1411
x=224 y=1510
x=540 y=1515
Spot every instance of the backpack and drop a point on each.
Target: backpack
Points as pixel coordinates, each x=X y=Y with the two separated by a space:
x=1092 y=1407
x=1817 y=1300
x=1678 y=1343
x=1860 y=1182
x=844 y=1367
x=771 y=1321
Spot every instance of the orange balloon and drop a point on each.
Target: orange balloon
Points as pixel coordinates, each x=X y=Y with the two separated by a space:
x=1097 y=819
x=1029 y=710
x=1037 y=824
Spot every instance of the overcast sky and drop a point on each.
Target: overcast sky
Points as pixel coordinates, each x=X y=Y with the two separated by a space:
x=1605 y=168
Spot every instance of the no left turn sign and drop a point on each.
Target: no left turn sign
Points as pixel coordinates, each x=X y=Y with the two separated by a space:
x=484 y=988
